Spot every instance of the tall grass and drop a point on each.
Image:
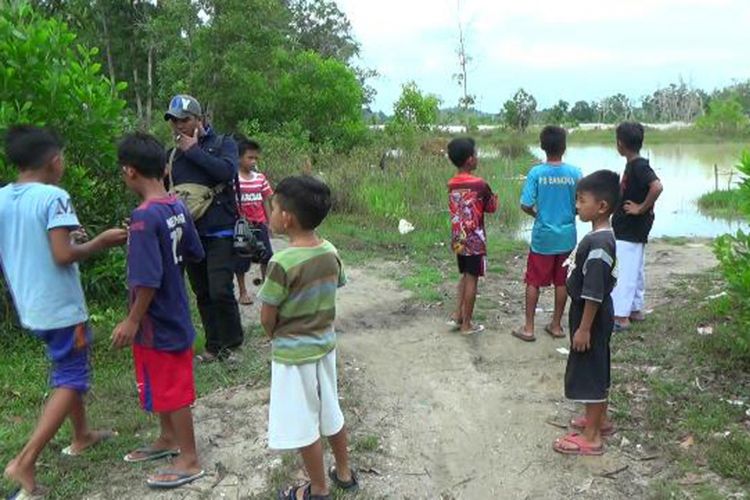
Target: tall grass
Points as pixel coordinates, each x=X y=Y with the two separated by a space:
x=725 y=204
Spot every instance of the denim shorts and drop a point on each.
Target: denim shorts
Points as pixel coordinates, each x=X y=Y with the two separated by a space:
x=68 y=349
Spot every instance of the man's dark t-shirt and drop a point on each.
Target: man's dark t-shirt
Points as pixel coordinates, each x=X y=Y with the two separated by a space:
x=634 y=187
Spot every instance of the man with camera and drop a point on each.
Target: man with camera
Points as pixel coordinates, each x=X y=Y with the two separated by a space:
x=202 y=169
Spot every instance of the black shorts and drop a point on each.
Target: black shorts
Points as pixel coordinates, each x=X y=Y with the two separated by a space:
x=471 y=264
x=242 y=264
x=587 y=376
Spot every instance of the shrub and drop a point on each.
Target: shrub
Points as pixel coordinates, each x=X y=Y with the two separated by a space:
x=47 y=79
x=733 y=253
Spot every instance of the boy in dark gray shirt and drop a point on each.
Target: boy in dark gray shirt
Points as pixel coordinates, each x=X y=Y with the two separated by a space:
x=591 y=278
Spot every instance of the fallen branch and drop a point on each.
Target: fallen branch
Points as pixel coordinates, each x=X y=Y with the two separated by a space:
x=612 y=474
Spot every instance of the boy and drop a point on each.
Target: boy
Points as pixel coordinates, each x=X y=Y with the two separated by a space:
x=632 y=223
x=549 y=196
x=255 y=196
x=299 y=308
x=39 y=259
x=162 y=240
x=591 y=277
x=469 y=198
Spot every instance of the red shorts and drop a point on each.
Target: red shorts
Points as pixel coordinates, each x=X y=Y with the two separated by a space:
x=165 y=379
x=546 y=270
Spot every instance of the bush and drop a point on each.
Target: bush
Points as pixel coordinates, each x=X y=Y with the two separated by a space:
x=733 y=253
x=47 y=79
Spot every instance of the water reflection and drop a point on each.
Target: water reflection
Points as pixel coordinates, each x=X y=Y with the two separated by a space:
x=687 y=172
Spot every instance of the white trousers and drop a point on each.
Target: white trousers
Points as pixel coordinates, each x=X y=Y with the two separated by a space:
x=628 y=295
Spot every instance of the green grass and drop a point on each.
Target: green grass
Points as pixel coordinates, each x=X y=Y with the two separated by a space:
x=681 y=379
x=724 y=204
x=367 y=444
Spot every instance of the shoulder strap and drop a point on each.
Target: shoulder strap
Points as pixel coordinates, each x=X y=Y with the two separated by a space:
x=170 y=163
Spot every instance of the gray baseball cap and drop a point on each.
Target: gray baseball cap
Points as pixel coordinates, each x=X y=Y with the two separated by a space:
x=183 y=106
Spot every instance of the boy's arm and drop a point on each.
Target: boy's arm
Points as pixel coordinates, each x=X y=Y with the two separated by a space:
x=65 y=252
x=529 y=210
x=269 y=316
x=124 y=333
x=582 y=336
x=655 y=189
x=528 y=195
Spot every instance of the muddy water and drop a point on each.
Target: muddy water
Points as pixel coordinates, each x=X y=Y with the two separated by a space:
x=687 y=172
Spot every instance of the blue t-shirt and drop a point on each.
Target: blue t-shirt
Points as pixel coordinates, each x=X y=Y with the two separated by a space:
x=47 y=296
x=162 y=239
x=551 y=188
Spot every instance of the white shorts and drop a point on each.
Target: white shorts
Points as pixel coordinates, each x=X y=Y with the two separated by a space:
x=629 y=293
x=304 y=403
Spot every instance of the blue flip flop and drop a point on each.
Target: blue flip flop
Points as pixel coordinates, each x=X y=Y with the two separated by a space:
x=150 y=453
x=182 y=478
x=21 y=494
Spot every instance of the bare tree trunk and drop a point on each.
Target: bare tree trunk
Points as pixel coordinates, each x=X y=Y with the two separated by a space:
x=150 y=88
x=138 y=100
x=108 y=48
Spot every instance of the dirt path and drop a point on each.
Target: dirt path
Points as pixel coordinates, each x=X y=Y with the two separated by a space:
x=452 y=417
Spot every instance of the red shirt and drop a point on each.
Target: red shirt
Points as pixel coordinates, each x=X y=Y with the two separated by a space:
x=469 y=197
x=253 y=191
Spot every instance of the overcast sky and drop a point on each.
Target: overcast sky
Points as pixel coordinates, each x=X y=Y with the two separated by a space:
x=556 y=49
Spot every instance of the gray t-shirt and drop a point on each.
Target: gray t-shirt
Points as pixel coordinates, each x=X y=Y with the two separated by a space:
x=592 y=274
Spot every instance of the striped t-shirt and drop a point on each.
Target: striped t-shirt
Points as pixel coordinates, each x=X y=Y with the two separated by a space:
x=302 y=283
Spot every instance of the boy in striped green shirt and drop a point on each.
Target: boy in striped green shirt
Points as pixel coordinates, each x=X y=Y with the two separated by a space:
x=299 y=307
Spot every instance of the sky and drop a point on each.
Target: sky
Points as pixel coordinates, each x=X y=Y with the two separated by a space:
x=555 y=49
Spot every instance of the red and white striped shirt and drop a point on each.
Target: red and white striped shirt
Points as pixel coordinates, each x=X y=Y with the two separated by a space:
x=254 y=190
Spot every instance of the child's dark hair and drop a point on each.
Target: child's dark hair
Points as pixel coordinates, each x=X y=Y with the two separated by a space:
x=603 y=185
x=460 y=150
x=144 y=153
x=245 y=144
x=553 y=140
x=308 y=198
x=630 y=135
x=29 y=147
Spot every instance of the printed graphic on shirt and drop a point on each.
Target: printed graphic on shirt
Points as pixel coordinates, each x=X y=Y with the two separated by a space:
x=469 y=198
x=253 y=192
x=592 y=267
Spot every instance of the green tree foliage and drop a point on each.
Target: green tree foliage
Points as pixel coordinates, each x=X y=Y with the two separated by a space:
x=320 y=26
x=48 y=78
x=517 y=112
x=733 y=253
x=558 y=115
x=414 y=110
x=724 y=116
x=583 y=112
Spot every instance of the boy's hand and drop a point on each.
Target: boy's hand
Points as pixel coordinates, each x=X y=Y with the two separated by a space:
x=113 y=237
x=582 y=340
x=79 y=236
x=632 y=208
x=124 y=333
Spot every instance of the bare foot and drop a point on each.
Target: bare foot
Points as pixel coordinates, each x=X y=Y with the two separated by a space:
x=22 y=476
x=90 y=439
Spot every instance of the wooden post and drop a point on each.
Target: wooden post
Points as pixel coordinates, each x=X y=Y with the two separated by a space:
x=716 y=177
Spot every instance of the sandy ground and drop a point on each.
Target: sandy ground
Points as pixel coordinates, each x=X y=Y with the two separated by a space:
x=455 y=417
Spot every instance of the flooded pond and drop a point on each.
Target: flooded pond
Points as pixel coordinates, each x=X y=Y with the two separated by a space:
x=687 y=172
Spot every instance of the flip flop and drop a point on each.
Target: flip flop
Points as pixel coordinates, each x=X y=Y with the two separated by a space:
x=150 y=453
x=247 y=302
x=455 y=325
x=620 y=328
x=552 y=333
x=579 y=424
x=475 y=329
x=21 y=494
x=291 y=493
x=519 y=335
x=206 y=357
x=582 y=447
x=103 y=436
x=351 y=486
x=183 y=478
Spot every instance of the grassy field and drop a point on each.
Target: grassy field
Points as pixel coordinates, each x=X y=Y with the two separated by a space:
x=685 y=397
x=369 y=202
x=725 y=204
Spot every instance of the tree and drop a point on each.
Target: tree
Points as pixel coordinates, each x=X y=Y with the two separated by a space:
x=559 y=113
x=466 y=100
x=320 y=26
x=615 y=109
x=724 y=116
x=415 y=110
x=517 y=112
x=676 y=102
x=583 y=112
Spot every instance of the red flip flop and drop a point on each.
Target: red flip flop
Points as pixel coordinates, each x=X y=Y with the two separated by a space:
x=582 y=447
x=579 y=424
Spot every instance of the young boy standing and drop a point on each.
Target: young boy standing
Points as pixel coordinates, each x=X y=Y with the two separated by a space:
x=162 y=240
x=469 y=198
x=255 y=199
x=549 y=196
x=299 y=308
x=591 y=277
x=39 y=259
x=632 y=223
